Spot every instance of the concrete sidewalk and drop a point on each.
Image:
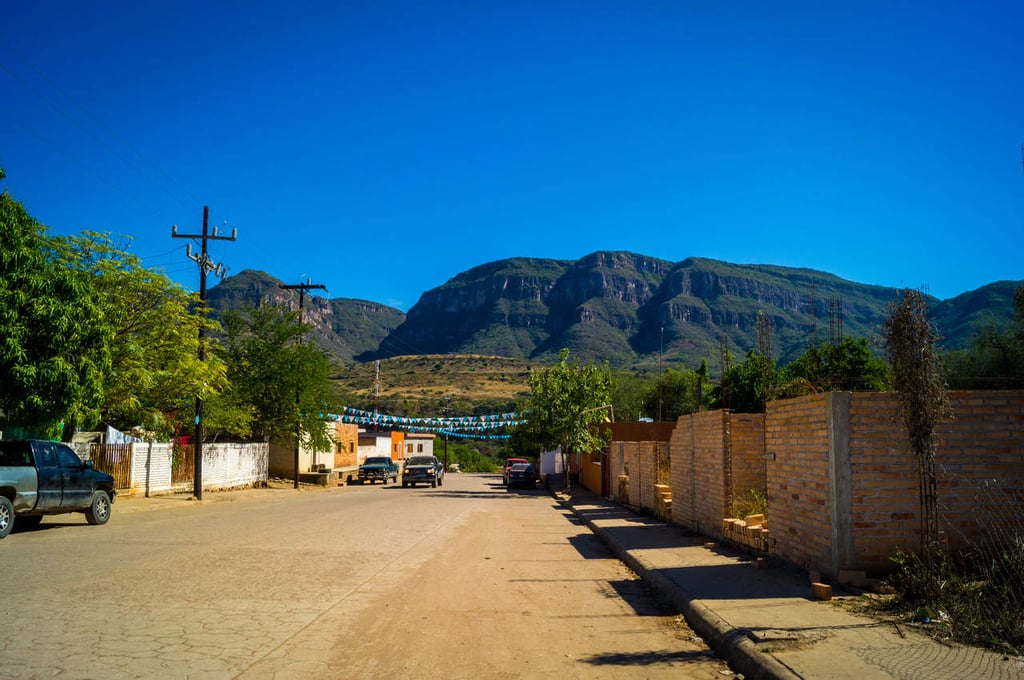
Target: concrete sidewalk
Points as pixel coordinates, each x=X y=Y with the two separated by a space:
x=763 y=621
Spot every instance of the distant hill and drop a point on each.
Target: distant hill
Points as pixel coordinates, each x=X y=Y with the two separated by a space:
x=959 y=318
x=631 y=310
x=344 y=327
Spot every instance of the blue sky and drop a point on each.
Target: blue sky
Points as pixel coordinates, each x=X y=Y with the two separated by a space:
x=382 y=147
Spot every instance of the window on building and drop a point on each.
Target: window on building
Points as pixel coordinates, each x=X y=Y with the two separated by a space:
x=419 y=448
x=408 y=448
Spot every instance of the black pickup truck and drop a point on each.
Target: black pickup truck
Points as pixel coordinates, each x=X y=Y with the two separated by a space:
x=40 y=478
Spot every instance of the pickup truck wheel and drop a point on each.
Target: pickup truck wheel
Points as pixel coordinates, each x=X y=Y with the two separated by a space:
x=99 y=511
x=433 y=483
x=405 y=484
x=6 y=516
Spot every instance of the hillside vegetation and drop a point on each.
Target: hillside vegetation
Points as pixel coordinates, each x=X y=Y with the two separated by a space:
x=420 y=386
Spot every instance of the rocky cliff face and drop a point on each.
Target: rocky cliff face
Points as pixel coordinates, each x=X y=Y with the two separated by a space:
x=628 y=309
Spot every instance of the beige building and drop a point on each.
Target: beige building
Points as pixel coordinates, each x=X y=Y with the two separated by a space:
x=419 y=444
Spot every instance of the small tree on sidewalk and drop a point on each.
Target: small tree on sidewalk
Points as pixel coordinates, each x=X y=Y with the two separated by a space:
x=566 y=403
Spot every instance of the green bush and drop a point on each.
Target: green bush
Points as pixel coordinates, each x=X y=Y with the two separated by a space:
x=752 y=503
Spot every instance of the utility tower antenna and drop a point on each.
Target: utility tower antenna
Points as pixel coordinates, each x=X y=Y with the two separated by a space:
x=723 y=348
x=835 y=320
x=764 y=348
x=812 y=308
x=302 y=288
x=206 y=265
x=835 y=326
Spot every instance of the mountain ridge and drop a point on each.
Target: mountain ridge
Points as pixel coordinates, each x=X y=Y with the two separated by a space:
x=629 y=309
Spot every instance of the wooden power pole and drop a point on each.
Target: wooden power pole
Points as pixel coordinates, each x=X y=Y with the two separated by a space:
x=205 y=266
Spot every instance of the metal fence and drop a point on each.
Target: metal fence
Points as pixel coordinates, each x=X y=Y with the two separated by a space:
x=183 y=464
x=115 y=460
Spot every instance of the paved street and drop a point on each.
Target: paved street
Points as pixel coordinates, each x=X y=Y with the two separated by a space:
x=466 y=580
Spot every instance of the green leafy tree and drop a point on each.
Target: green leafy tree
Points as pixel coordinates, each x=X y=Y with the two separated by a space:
x=748 y=385
x=567 y=401
x=849 y=365
x=628 y=390
x=674 y=394
x=284 y=382
x=155 y=372
x=54 y=337
x=912 y=351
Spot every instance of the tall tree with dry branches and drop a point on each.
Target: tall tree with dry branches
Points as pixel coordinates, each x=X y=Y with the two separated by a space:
x=913 y=354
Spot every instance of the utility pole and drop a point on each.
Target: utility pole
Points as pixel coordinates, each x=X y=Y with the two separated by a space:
x=205 y=265
x=376 y=394
x=302 y=288
x=444 y=412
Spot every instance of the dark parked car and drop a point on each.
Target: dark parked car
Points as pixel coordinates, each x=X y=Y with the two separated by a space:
x=40 y=478
x=423 y=470
x=509 y=462
x=521 y=474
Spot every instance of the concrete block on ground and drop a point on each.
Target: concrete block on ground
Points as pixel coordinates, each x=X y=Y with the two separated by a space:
x=821 y=591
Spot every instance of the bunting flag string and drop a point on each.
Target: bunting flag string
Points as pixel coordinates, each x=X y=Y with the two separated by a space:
x=477 y=427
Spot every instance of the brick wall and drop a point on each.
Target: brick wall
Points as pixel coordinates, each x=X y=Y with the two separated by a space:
x=652 y=464
x=634 y=464
x=980 y=474
x=747 y=465
x=981 y=458
x=797 y=476
x=884 y=481
x=711 y=470
x=681 y=449
x=700 y=451
x=841 y=482
x=346 y=445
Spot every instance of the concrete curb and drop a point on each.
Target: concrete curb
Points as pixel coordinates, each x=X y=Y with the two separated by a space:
x=731 y=644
